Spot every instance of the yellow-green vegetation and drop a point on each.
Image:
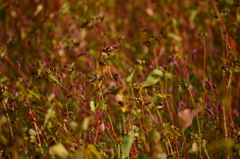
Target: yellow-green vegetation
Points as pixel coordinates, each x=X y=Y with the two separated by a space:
x=135 y=79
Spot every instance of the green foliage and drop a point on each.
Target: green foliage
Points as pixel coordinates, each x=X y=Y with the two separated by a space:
x=126 y=145
x=153 y=78
x=35 y=94
x=119 y=79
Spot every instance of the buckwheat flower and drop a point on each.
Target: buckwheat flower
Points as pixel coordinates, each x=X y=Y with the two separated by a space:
x=194 y=52
x=9 y=40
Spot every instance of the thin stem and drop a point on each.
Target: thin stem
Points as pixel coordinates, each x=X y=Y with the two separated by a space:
x=14 y=66
x=154 y=106
x=112 y=141
x=155 y=57
x=199 y=128
x=35 y=126
x=169 y=143
x=141 y=100
x=204 y=65
x=185 y=145
x=110 y=73
x=224 y=111
x=225 y=123
x=110 y=120
x=225 y=105
x=144 y=140
x=74 y=89
x=204 y=76
x=8 y=118
x=206 y=152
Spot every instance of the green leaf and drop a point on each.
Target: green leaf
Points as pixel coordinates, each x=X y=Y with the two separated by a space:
x=2 y=78
x=143 y=156
x=175 y=37
x=163 y=95
x=235 y=70
x=94 y=151
x=53 y=79
x=35 y=94
x=38 y=10
x=101 y=104
x=153 y=136
x=221 y=144
x=169 y=75
x=126 y=145
x=92 y=106
x=98 y=145
x=237 y=146
x=130 y=77
x=193 y=15
x=173 y=134
x=85 y=123
x=191 y=76
x=3 y=139
x=153 y=78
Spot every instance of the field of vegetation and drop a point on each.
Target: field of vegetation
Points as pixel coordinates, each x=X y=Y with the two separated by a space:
x=135 y=79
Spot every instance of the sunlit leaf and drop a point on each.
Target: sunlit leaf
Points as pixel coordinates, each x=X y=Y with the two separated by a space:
x=123 y=109
x=58 y=150
x=101 y=104
x=130 y=77
x=53 y=79
x=51 y=97
x=92 y=106
x=153 y=78
x=35 y=94
x=94 y=151
x=175 y=37
x=126 y=145
x=193 y=15
x=158 y=107
x=38 y=10
x=163 y=95
x=85 y=123
x=235 y=70
x=51 y=111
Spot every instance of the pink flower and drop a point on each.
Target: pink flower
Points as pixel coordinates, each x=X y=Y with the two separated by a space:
x=194 y=52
